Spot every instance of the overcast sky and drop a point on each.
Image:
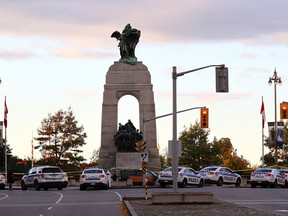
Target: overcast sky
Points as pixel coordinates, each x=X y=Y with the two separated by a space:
x=55 y=54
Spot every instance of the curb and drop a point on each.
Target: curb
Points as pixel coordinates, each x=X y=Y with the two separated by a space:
x=130 y=208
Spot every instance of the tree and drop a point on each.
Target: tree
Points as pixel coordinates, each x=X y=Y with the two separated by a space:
x=2 y=154
x=60 y=138
x=229 y=155
x=197 y=152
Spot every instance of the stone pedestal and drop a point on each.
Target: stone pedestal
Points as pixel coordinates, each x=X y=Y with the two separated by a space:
x=135 y=80
x=128 y=160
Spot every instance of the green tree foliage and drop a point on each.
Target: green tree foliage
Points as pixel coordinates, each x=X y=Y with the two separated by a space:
x=197 y=152
x=59 y=140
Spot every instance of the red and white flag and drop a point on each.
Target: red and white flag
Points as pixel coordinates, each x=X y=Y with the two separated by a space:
x=5 y=114
x=262 y=112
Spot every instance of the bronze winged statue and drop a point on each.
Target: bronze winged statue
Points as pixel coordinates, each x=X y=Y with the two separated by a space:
x=127 y=43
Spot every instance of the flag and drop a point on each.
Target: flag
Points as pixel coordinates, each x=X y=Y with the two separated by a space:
x=262 y=112
x=5 y=114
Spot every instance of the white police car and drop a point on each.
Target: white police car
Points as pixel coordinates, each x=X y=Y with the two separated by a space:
x=186 y=176
x=44 y=177
x=2 y=181
x=284 y=172
x=95 y=177
x=267 y=177
x=220 y=175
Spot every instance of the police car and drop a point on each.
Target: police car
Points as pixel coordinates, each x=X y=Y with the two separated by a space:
x=284 y=172
x=44 y=177
x=220 y=175
x=186 y=176
x=95 y=177
x=2 y=181
x=267 y=177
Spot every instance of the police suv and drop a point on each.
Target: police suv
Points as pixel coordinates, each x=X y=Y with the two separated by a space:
x=267 y=177
x=186 y=176
x=44 y=177
x=220 y=175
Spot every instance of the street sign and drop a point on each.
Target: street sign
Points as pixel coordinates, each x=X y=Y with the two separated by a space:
x=144 y=156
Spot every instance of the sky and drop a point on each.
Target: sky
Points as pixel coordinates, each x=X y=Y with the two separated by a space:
x=55 y=54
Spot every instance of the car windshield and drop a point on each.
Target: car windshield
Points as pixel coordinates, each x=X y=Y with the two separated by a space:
x=169 y=169
x=51 y=170
x=209 y=169
x=93 y=171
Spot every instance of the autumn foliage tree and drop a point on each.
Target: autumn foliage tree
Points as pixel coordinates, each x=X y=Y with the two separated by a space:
x=198 y=152
x=59 y=140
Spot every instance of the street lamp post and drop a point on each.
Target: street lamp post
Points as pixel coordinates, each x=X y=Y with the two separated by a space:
x=276 y=80
x=174 y=141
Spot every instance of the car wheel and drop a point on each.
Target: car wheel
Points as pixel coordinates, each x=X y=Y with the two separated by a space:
x=238 y=182
x=220 y=181
x=184 y=183
x=274 y=184
x=2 y=186
x=201 y=183
x=253 y=185
x=82 y=187
x=23 y=185
x=59 y=188
x=286 y=183
x=45 y=188
x=37 y=186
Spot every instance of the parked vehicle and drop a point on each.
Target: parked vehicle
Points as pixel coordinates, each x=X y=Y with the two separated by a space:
x=267 y=177
x=220 y=175
x=284 y=172
x=2 y=181
x=186 y=176
x=44 y=177
x=95 y=177
x=137 y=176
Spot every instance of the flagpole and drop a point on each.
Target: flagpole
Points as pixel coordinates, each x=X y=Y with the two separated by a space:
x=5 y=125
x=6 y=152
x=263 y=122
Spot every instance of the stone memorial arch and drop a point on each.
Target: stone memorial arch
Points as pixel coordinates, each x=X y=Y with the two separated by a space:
x=135 y=80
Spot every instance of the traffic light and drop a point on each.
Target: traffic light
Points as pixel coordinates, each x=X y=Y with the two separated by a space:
x=204 y=117
x=137 y=146
x=222 y=79
x=284 y=110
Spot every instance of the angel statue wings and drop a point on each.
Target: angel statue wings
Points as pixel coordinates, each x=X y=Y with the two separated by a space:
x=127 y=43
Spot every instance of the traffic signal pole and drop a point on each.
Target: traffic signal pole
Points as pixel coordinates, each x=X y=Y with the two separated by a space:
x=174 y=141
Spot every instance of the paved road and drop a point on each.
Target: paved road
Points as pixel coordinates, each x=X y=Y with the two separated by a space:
x=72 y=202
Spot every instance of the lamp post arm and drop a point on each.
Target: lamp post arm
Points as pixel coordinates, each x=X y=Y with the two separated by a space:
x=201 y=68
x=150 y=119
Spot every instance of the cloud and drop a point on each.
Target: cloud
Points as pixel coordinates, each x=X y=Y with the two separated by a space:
x=89 y=24
x=16 y=54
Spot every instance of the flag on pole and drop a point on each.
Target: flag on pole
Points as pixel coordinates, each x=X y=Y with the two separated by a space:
x=5 y=114
x=262 y=112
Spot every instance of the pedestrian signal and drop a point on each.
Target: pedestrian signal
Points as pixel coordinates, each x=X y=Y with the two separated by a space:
x=284 y=110
x=204 y=114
